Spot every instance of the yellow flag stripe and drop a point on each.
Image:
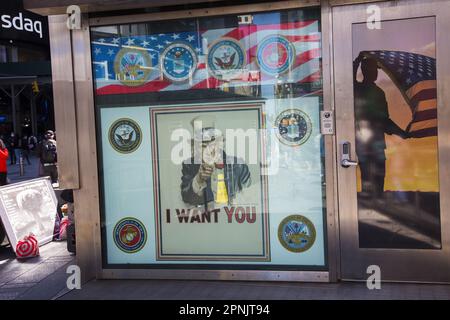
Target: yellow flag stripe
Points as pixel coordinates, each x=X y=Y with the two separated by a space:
x=423 y=85
x=424 y=125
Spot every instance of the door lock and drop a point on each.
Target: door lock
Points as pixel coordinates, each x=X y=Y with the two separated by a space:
x=346 y=160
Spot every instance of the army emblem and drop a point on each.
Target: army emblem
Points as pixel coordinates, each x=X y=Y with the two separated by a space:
x=296 y=233
x=178 y=62
x=130 y=235
x=293 y=127
x=132 y=66
x=275 y=55
x=125 y=135
x=226 y=59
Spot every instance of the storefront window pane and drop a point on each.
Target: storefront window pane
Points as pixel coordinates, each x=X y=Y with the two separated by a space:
x=210 y=144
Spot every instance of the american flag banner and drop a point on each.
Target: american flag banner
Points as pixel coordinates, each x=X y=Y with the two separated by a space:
x=415 y=76
x=211 y=59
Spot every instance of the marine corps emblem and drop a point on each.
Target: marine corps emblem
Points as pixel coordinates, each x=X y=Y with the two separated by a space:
x=132 y=66
x=130 y=235
x=125 y=135
x=178 y=62
x=226 y=59
x=275 y=55
x=293 y=127
x=296 y=233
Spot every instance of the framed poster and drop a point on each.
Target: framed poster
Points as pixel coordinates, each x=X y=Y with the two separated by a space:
x=28 y=207
x=209 y=189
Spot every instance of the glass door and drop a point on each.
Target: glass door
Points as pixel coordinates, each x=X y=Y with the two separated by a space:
x=392 y=130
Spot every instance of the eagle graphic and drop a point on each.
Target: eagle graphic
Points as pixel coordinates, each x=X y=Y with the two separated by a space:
x=125 y=138
x=226 y=62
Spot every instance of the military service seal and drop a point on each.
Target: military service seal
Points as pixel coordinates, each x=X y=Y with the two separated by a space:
x=293 y=127
x=275 y=55
x=226 y=59
x=132 y=66
x=178 y=62
x=125 y=135
x=130 y=235
x=296 y=233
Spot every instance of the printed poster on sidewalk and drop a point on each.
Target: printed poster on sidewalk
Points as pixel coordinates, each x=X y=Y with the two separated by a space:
x=28 y=207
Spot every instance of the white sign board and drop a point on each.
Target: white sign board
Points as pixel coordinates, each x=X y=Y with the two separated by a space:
x=28 y=207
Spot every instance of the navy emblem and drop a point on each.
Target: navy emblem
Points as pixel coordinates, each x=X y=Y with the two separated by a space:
x=293 y=127
x=296 y=233
x=132 y=66
x=226 y=59
x=125 y=135
x=275 y=55
x=178 y=62
x=130 y=235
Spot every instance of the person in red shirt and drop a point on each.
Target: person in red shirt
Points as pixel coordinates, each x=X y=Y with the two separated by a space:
x=3 y=167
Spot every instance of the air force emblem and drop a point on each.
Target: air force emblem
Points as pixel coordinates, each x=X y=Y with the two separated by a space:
x=178 y=62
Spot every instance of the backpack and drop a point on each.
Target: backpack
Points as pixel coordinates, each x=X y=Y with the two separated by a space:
x=48 y=151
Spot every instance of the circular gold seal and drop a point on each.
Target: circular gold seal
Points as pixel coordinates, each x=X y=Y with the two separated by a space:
x=293 y=127
x=125 y=135
x=296 y=233
x=132 y=66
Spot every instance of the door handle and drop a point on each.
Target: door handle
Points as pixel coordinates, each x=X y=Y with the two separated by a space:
x=346 y=160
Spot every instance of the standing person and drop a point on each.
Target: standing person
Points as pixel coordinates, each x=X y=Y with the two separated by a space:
x=48 y=156
x=32 y=143
x=25 y=148
x=3 y=165
x=12 y=146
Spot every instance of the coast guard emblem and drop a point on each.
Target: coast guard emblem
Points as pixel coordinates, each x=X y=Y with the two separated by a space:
x=293 y=127
x=178 y=62
x=275 y=55
x=130 y=235
x=125 y=135
x=226 y=59
x=296 y=233
x=132 y=67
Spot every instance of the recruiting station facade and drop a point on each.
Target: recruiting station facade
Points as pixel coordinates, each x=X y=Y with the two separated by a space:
x=326 y=188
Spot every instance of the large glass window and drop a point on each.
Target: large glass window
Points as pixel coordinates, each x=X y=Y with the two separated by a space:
x=211 y=154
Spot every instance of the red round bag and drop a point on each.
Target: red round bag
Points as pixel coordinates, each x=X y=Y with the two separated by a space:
x=28 y=247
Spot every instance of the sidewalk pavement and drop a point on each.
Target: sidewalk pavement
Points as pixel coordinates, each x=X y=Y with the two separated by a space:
x=42 y=277
x=232 y=290
x=31 y=171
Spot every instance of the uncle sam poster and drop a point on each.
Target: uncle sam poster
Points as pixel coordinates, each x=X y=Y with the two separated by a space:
x=210 y=193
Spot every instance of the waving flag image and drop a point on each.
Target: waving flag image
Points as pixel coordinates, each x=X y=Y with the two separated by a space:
x=254 y=54
x=415 y=76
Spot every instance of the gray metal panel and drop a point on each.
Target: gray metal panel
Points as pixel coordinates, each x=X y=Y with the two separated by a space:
x=64 y=102
x=87 y=206
x=396 y=264
x=170 y=15
x=332 y=218
x=241 y=275
x=48 y=7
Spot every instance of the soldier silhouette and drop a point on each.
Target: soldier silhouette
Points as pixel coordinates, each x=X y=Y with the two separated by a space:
x=372 y=123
